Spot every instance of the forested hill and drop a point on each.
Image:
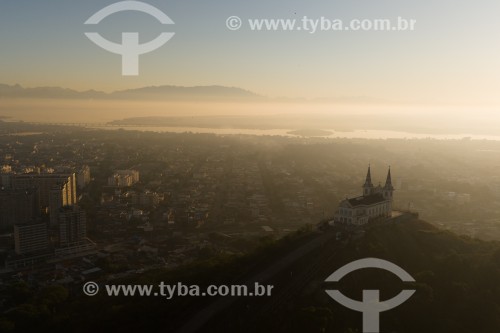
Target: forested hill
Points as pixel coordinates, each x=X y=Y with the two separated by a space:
x=458 y=289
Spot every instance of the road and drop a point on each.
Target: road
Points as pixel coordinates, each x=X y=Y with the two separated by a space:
x=199 y=320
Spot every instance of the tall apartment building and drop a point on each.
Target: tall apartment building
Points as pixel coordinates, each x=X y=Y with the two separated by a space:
x=55 y=190
x=45 y=183
x=18 y=206
x=72 y=226
x=31 y=238
x=83 y=177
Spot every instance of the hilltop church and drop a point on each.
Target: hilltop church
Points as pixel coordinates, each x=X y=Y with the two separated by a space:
x=374 y=203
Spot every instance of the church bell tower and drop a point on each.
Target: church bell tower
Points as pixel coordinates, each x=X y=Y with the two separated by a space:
x=388 y=188
x=368 y=186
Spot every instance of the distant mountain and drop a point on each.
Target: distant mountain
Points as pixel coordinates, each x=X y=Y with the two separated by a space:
x=176 y=92
x=171 y=93
x=149 y=93
x=17 y=91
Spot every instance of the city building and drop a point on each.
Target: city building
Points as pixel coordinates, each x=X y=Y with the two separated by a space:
x=18 y=206
x=146 y=199
x=46 y=184
x=376 y=202
x=83 y=177
x=124 y=178
x=72 y=226
x=61 y=195
x=31 y=238
x=5 y=180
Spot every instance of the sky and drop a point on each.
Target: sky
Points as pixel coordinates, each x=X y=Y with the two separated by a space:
x=453 y=56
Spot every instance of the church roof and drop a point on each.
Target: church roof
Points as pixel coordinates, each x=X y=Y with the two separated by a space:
x=366 y=200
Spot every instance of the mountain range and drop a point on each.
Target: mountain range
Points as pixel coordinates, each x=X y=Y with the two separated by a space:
x=160 y=93
x=170 y=93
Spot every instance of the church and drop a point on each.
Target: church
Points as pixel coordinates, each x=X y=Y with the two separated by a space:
x=375 y=202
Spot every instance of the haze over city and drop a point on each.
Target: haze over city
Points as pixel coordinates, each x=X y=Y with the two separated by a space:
x=256 y=172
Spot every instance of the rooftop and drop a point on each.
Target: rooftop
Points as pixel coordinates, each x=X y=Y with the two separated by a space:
x=366 y=200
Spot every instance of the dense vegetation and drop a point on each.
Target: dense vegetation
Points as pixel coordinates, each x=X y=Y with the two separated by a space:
x=457 y=284
x=457 y=290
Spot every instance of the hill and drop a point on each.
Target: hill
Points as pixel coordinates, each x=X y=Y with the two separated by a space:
x=456 y=282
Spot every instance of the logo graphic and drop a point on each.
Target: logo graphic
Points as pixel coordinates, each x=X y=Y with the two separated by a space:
x=130 y=49
x=371 y=306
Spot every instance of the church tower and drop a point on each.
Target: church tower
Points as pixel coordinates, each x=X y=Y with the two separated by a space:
x=388 y=188
x=368 y=186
